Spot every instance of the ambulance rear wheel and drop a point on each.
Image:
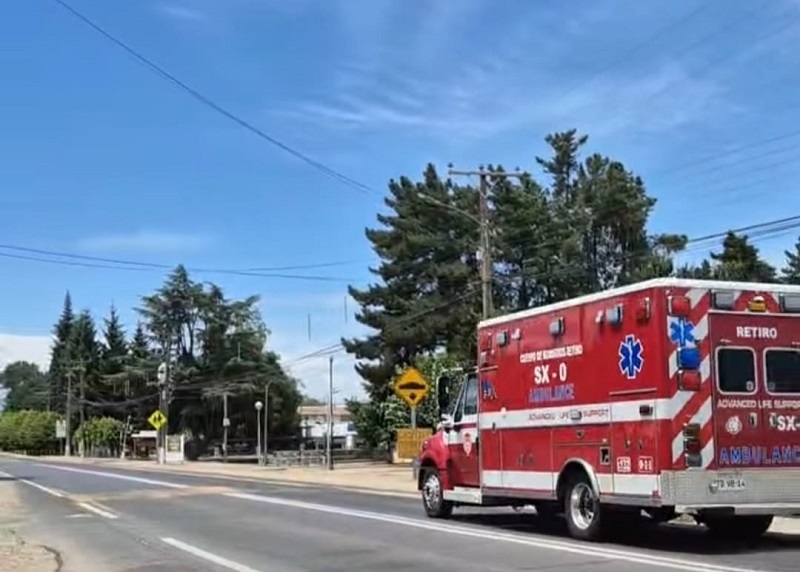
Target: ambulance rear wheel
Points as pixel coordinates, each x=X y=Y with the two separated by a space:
x=582 y=509
x=433 y=496
x=742 y=527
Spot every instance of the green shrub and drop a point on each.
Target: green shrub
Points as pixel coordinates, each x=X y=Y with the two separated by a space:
x=100 y=432
x=31 y=431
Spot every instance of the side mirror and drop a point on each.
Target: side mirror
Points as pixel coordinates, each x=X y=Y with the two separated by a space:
x=447 y=422
x=443 y=388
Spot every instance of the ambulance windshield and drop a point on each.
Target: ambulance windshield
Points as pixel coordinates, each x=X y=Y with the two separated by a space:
x=467 y=397
x=782 y=366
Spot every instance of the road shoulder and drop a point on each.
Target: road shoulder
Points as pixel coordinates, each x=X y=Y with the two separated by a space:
x=19 y=551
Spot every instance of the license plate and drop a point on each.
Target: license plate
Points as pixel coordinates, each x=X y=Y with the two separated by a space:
x=730 y=483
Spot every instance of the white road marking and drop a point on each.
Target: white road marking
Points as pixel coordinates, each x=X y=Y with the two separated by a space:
x=97 y=510
x=561 y=546
x=48 y=490
x=207 y=556
x=130 y=478
x=44 y=489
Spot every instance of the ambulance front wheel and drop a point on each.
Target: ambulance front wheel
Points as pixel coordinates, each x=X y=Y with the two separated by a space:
x=582 y=509
x=433 y=496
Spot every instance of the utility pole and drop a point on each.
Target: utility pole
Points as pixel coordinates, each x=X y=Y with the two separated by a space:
x=68 y=416
x=266 y=421
x=485 y=242
x=82 y=385
x=164 y=408
x=164 y=377
x=329 y=440
x=225 y=424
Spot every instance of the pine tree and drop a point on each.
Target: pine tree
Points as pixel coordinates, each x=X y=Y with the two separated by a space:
x=791 y=273
x=85 y=352
x=115 y=347
x=60 y=356
x=595 y=236
x=740 y=261
x=139 y=346
x=428 y=293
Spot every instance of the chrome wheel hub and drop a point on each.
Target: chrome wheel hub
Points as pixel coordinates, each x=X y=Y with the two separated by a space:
x=582 y=506
x=431 y=491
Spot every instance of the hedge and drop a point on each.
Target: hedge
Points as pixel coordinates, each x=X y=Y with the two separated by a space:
x=29 y=431
x=100 y=433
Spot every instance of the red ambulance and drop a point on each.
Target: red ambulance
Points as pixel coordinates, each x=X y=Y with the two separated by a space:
x=661 y=398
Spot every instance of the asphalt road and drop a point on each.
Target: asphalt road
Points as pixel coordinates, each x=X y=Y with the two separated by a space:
x=113 y=520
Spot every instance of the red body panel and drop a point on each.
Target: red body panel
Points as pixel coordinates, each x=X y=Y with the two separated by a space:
x=567 y=384
x=757 y=427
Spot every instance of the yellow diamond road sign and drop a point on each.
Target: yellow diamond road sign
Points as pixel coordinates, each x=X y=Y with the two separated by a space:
x=412 y=387
x=157 y=419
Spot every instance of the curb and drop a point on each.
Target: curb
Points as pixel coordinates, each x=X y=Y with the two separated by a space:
x=222 y=476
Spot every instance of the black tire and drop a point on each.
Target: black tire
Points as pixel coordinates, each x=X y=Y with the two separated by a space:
x=582 y=509
x=433 y=495
x=741 y=528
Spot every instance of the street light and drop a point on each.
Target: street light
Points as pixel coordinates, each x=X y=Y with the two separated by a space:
x=266 y=421
x=259 y=406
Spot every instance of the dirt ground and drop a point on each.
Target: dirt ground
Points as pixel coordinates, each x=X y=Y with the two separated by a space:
x=16 y=554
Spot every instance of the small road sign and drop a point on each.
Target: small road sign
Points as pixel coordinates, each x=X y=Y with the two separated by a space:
x=410 y=440
x=412 y=387
x=61 y=429
x=157 y=420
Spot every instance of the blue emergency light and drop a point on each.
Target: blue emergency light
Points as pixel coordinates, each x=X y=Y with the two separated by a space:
x=689 y=358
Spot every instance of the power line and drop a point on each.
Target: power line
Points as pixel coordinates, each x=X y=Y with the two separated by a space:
x=161 y=266
x=148 y=268
x=211 y=104
x=757 y=231
x=159 y=70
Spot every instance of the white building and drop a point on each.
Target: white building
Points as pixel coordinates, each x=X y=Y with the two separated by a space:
x=314 y=425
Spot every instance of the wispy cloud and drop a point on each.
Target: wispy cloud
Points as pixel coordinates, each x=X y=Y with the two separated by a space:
x=442 y=82
x=35 y=349
x=484 y=102
x=144 y=241
x=183 y=13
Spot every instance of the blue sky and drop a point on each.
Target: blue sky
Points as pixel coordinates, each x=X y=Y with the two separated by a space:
x=101 y=157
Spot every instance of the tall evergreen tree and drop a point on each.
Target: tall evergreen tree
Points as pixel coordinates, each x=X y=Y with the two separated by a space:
x=113 y=360
x=740 y=261
x=217 y=347
x=85 y=366
x=584 y=231
x=791 y=272
x=60 y=356
x=428 y=275
x=525 y=252
x=597 y=232
x=115 y=345
x=139 y=346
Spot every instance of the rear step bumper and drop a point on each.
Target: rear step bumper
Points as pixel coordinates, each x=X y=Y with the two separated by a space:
x=776 y=509
x=748 y=491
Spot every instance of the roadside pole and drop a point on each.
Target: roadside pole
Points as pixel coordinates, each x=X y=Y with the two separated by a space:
x=225 y=424
x=329 y=439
